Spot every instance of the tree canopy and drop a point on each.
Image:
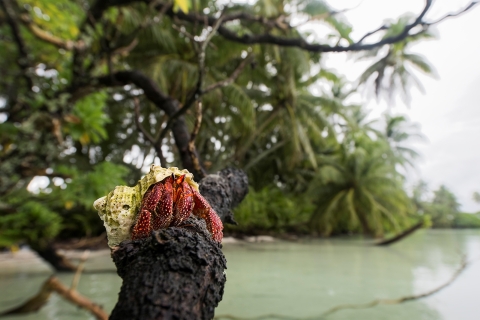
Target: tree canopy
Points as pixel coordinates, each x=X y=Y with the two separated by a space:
x=94 y=91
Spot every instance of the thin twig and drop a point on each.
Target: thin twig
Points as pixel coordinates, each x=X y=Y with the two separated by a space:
x=156 y=142
x=193 y=135
x=450 y=15
x=384 y=27
x=327 y=15
x=184 y=32
x=201 y=73
x=373 y=303
x=53 y=284
x=232 y=78
x=198 y=122
x=78 y=273
x=144 y=132
x=463 y=266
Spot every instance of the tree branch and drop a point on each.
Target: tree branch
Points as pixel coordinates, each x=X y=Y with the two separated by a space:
x=201 y=74
x=301 y=43
x=156 y=143
x=268 y=38
x=53 y=284
x=232 y=78
x=138 y=124
x=169 y=105
x=193 y=135
x=373 y=303
x=22 y=61
x=47 y=37
x=470 y=6
x=384 y=27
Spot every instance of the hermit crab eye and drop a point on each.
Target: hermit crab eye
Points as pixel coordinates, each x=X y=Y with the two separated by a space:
x=180 y=179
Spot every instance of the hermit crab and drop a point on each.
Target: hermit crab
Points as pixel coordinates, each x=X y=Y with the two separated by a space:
x=165 y=197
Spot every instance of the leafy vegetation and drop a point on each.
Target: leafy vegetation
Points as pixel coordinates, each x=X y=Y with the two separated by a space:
x=442 y=208
x=93 y=92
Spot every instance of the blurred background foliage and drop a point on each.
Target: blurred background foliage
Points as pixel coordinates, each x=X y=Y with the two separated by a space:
x=317 y=162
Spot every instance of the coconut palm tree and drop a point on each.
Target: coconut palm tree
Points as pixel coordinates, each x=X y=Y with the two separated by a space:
x=358 y=190
x=398 y=132
x=392 y=71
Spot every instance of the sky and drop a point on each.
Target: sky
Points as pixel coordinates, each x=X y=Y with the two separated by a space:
x=449 y=111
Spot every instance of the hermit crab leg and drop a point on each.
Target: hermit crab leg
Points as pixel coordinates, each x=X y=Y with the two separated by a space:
x=202 y=209
x=164 y=207
x=143 y=225
x=183 y=201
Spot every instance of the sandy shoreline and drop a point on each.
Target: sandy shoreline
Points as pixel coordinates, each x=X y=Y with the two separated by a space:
x=27 y=261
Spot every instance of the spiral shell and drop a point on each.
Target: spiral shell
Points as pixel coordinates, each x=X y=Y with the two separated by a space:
x=119 y=208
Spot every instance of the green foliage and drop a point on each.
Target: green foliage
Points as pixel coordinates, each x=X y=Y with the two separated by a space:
x=358 y=191
x=89 y=119
x=443 y=208
x=272 y=210
x=476 y=197
x=392 y=71
x=103 y=178
x=33 y=222
x=466 y=220
x=314 y=160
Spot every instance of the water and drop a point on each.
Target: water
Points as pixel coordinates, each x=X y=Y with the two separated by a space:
x=305 y=279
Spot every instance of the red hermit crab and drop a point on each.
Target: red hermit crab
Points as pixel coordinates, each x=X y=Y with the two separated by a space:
x=168 y=203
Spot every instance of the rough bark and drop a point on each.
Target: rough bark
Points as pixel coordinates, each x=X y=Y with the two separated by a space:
x=177 y=273
x=224 y=191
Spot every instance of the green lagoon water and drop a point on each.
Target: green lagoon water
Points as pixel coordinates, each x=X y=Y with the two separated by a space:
x=304 y=279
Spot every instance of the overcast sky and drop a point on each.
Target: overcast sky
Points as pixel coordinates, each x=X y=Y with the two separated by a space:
x=449 y=111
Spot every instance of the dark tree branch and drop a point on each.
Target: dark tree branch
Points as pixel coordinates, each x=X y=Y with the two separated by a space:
x=169 y=105
x=384 y=27
x=287 y=42
x=301 y=43
x=23 y=58
x=450 y=15
x=279 y=23
x=401 y=235
x=201 y=75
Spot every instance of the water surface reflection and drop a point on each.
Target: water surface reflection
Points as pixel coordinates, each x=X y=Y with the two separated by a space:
x=305 y=279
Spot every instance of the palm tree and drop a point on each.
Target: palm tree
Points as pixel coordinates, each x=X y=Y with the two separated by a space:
x=392 y=71
x=443 y=208
x=398 y=131
x=357 y=190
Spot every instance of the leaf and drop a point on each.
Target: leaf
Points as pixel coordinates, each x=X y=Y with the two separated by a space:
x=69 y=205
x=183 y=5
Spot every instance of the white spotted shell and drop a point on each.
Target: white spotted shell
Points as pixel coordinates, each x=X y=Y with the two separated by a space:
x=119 y=208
